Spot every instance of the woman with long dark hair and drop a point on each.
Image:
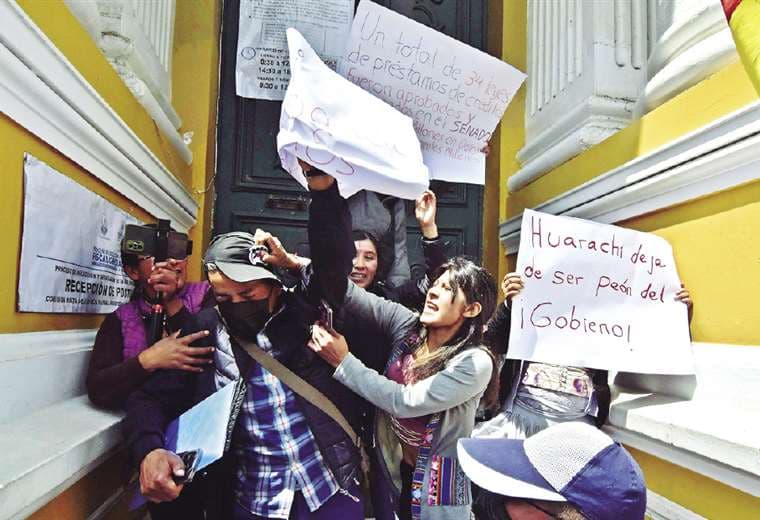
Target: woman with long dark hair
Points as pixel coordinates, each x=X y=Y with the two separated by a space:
x=436 y=374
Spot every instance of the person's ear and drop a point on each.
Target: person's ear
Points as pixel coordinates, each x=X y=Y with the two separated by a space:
x=132 y=272
x=274 y=297
x=472 y=310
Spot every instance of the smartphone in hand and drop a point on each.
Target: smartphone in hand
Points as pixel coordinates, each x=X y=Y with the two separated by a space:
x=326 y=316
x=192 y=460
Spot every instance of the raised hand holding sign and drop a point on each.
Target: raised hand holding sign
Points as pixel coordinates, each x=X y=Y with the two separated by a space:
x=598 y=296
x=339 y=128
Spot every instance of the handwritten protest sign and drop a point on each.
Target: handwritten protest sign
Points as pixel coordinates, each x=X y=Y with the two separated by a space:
x=455 y=94
x=334 y=125
x=598 y=296
x=262 y=69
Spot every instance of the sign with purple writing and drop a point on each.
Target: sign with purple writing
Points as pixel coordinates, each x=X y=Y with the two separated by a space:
x=598 y=296
x=455 y=94
x=337 y=127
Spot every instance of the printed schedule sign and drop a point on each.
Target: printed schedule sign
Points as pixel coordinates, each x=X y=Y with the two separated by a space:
x=455 y=94
x=70 y=247
x=263 y=67
x=598 y=296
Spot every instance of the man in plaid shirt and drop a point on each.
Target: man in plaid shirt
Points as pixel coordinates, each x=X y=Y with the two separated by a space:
x=288 y=459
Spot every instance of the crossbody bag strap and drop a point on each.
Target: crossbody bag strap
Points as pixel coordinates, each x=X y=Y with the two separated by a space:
x=305 y=390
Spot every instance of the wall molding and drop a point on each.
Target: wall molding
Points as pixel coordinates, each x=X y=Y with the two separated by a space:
x=586 y=63
x=28 y=345
x=660 y=508
x=703 y=422
x=39 y=463
x=713 y=469
x=716 y=157
x=43 y=92
x=117 y=28
x=50 y=434
x=697 y=43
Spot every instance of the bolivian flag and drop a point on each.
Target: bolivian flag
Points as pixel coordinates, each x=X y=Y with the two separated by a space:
x=744 y=18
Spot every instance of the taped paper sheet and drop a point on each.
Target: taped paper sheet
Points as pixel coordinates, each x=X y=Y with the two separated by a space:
x=263 y=67
x=70 y=246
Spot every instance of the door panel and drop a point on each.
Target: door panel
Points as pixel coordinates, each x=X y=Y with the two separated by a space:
x=254 y=191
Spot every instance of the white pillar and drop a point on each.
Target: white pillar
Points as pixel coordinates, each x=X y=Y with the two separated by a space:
x=688 y=41
x=586 y=66
x=137 y=37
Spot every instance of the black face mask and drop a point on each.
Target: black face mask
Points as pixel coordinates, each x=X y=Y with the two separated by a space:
x=245 y=319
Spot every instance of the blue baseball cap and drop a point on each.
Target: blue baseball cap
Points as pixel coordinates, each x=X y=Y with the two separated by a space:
x=569 y=462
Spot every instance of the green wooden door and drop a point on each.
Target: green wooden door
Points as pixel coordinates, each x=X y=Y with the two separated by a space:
x=252 y=190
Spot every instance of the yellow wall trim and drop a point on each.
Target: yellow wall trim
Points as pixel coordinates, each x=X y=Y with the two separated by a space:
x=48 y=96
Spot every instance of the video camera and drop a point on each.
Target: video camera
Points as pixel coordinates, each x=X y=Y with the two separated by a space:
x=158 y=241
x=161 y=243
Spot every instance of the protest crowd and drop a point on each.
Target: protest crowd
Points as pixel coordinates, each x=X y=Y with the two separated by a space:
x=321 y=374
x=330 y=384
x=432 y=422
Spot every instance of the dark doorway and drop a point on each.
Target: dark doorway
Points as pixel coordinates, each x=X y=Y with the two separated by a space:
x=252 y=190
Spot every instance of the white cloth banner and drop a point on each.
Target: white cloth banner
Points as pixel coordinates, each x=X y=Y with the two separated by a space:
x=262 y=68
x=455 y=94
x=70 y=247
x=344 y=131
x=598 y=296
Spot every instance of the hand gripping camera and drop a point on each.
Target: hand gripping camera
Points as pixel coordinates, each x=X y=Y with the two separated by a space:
x=160 y=242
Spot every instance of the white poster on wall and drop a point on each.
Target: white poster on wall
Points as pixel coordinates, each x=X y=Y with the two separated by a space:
x=598 y=296
x=455 y=94
x=263 y=68
x=344 y=131
x=70 y=246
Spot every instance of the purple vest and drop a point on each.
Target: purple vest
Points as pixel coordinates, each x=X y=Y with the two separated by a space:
x=131 y=316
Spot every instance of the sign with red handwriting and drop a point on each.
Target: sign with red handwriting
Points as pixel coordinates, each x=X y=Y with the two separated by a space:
x=337 y=127
x=598 y=296
x=455 y=93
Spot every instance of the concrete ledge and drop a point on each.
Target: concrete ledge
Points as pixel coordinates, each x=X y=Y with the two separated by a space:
x=49 y=450
x=706 y=423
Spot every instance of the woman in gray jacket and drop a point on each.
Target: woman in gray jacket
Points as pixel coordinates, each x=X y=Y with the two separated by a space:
x=435 y=377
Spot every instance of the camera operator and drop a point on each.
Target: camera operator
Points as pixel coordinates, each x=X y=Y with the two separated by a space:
x=122 y=358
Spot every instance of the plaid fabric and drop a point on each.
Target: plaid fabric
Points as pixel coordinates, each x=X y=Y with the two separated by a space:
x=276 y=451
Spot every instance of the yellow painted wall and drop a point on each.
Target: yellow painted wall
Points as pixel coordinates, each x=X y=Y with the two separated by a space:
x=14 y=141
x=195 y=88
x=196 y=64
x=510 y=135
x=491 y=193
x=195 y=81
x=702 y=495
x=714 y=238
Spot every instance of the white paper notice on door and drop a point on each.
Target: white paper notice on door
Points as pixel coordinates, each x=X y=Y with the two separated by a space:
x=263 y=69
